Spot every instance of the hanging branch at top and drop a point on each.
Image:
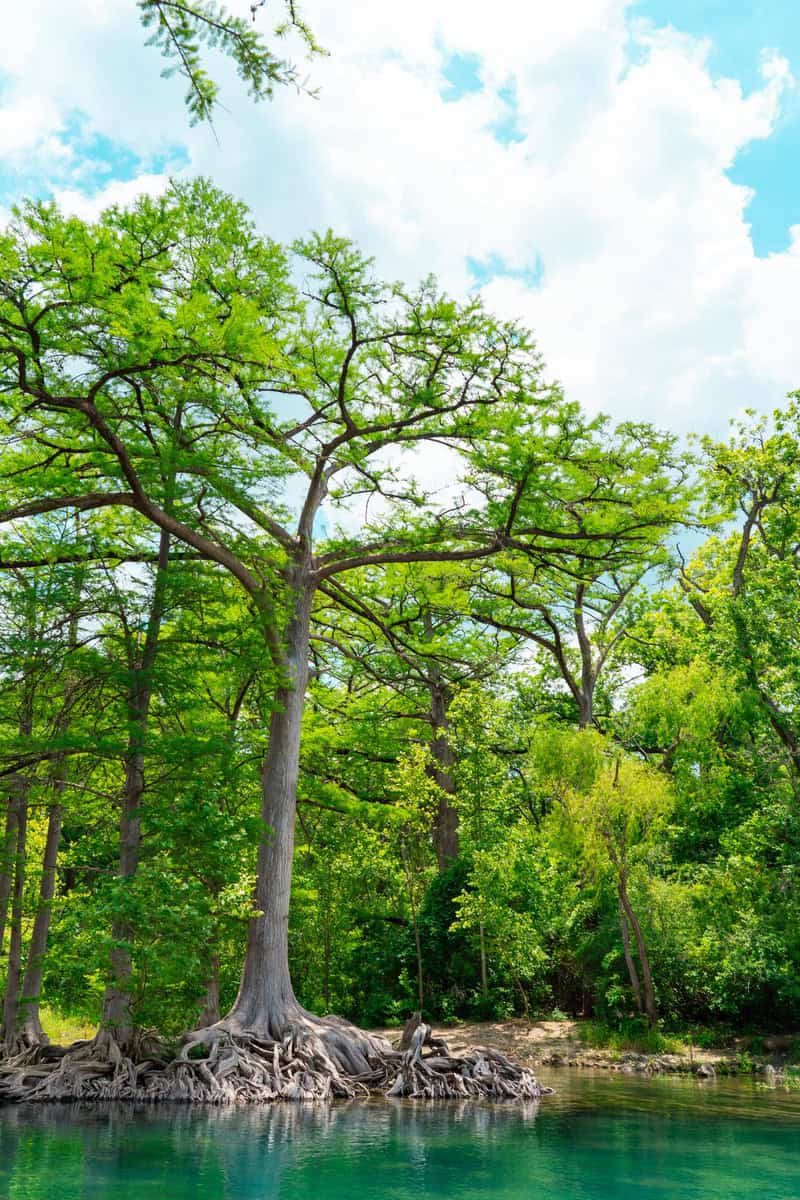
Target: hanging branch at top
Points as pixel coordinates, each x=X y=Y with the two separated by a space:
x=181 y=29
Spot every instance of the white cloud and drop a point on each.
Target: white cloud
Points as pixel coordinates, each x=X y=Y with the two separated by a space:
x=120 y=192
x=652 y=301
x=770 y=338
x=26 y=122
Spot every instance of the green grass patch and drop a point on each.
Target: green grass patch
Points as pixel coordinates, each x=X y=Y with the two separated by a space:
x=63 y=1030
x=631 y=1036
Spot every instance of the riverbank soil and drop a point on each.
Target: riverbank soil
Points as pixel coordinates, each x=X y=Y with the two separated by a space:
x=564 y=1044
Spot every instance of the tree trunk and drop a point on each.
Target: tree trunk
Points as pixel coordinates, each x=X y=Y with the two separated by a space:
x=18 y=801
x=14 y=976
x=7 y=866
x=630 y=964
x=117 y=1003
x=584 y=693
x=585 y=705
x=445 y=826
x=326 y=966
x=28 y=1020
x=117 y=1015
x=648 y=990
x=29 y=1023
x=211 y=1009
x=266 y=1001
x=484 y=972
x=415 y=923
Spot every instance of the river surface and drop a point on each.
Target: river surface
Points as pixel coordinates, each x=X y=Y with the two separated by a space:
x=602 y=1137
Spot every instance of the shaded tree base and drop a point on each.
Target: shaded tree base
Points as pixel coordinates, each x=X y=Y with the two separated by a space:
x=317 y=1059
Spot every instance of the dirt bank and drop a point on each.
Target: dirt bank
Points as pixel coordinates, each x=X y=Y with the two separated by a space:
x=560 y=1044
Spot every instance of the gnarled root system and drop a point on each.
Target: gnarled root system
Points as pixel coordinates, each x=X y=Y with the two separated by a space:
x=100 y=1069
x=480 y=1074
x=315 y=1059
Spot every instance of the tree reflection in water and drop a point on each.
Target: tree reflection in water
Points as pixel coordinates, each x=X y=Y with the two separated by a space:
x=72 y=1151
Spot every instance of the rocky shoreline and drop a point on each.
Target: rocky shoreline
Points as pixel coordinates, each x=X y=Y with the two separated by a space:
x=559 y=1044
x=631 y=1063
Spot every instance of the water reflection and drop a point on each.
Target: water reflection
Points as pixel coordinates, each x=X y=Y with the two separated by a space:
x=78 y=1150
x=739 y=1097
x=600 y=1137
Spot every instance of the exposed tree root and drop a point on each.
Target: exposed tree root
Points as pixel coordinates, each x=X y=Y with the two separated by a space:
x=315 y=1059
x=99 y=1069
x=480 y=1074
x=20 y=1051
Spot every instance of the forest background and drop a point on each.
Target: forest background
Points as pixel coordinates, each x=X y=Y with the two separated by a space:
x=549 y=757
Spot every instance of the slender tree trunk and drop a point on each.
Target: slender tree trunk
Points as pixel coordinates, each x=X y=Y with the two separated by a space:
x=326 y=963
x=117 y=1016
x=484 y=972
x=630 y=964
x=14 y=976
x=481 y=930
x=18 y=800
x=266 y=1006
x=266 y=1001
x=445 y=827
x=585 y=706
x=7 y=865
x=584 y=693
x=117 y=1011
x=420 y=979
x=648 y=990
x=29 y=1022
x=211 y=1011
x=526 y=1008
x=415 y=923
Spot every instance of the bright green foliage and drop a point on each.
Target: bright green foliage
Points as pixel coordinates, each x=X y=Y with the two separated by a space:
x=615 y=496
x=167 y=368
x=622 y=814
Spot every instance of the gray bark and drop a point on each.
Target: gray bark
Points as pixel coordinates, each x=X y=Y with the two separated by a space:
x=648 y=990
x=484 y=971
x=445 y=824
x=29 y=1022
x=584 y=692
x=7 y=866
x=28 y=1019
x=14 y=974
x=20 y=791
x=211 y=1010
x=633 y=974
x=445 y=828
x=266 y=1001
x=417 y=941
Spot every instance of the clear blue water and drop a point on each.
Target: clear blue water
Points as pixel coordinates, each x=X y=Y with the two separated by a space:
x=600 y=1138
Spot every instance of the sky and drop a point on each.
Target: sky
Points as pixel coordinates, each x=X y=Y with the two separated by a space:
x=622 y=176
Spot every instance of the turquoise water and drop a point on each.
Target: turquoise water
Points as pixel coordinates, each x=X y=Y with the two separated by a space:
x=600 y=1138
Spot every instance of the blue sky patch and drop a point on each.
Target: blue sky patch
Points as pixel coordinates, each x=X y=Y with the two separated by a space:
x=507 y=128
x=483 y=271
x=739 y=31
x=772 y=168
x=89 y=162
x=462 y=75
